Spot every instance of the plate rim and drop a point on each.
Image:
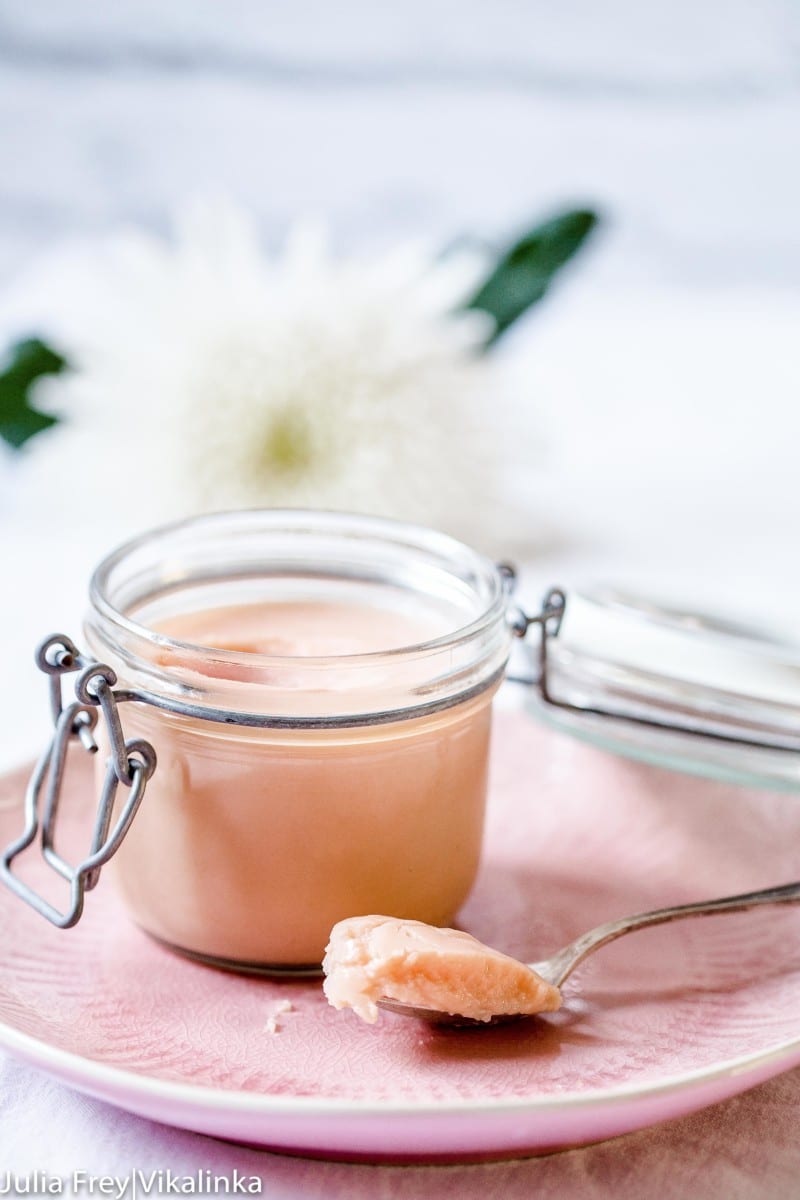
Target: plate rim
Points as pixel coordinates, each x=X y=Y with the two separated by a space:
x=47 y=1056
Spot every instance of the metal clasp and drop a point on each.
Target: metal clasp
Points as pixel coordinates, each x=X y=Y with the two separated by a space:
x=130 y=764
x=548 y=621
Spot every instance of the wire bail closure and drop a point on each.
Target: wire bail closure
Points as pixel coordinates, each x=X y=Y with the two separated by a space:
x=130 y=764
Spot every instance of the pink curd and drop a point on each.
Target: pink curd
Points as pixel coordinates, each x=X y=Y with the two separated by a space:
x=252 y=843
x=375 y=957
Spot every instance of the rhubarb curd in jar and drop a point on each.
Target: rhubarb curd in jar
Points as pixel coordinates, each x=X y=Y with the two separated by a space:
x=320 y=707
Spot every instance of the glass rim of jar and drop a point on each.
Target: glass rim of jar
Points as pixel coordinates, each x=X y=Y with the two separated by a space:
x=215 y=559
x=406 y=534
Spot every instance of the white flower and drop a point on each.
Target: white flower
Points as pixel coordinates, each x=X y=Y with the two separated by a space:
x=211 y=376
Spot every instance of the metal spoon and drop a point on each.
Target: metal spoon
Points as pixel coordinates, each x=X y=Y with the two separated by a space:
x=560 y=965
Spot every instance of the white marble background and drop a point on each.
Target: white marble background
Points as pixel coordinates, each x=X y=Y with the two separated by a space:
x=664 y=373
x=679 y=120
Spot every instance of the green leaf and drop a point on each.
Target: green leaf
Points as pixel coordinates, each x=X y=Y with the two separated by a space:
x=28 y=361
x=524 y=273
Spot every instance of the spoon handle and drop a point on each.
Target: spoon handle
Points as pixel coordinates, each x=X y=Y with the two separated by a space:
x=562 y=964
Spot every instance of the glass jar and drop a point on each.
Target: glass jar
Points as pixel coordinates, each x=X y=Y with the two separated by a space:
x=292 y=788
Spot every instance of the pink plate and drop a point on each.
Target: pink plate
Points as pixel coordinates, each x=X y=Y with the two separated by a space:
x=655 y=1026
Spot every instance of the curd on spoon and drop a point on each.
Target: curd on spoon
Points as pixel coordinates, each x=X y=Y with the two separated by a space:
x=374 y=958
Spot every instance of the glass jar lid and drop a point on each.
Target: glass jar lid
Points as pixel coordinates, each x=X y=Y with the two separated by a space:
x=680 y=689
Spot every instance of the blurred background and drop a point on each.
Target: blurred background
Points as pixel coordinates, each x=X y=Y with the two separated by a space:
x=647 y=411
